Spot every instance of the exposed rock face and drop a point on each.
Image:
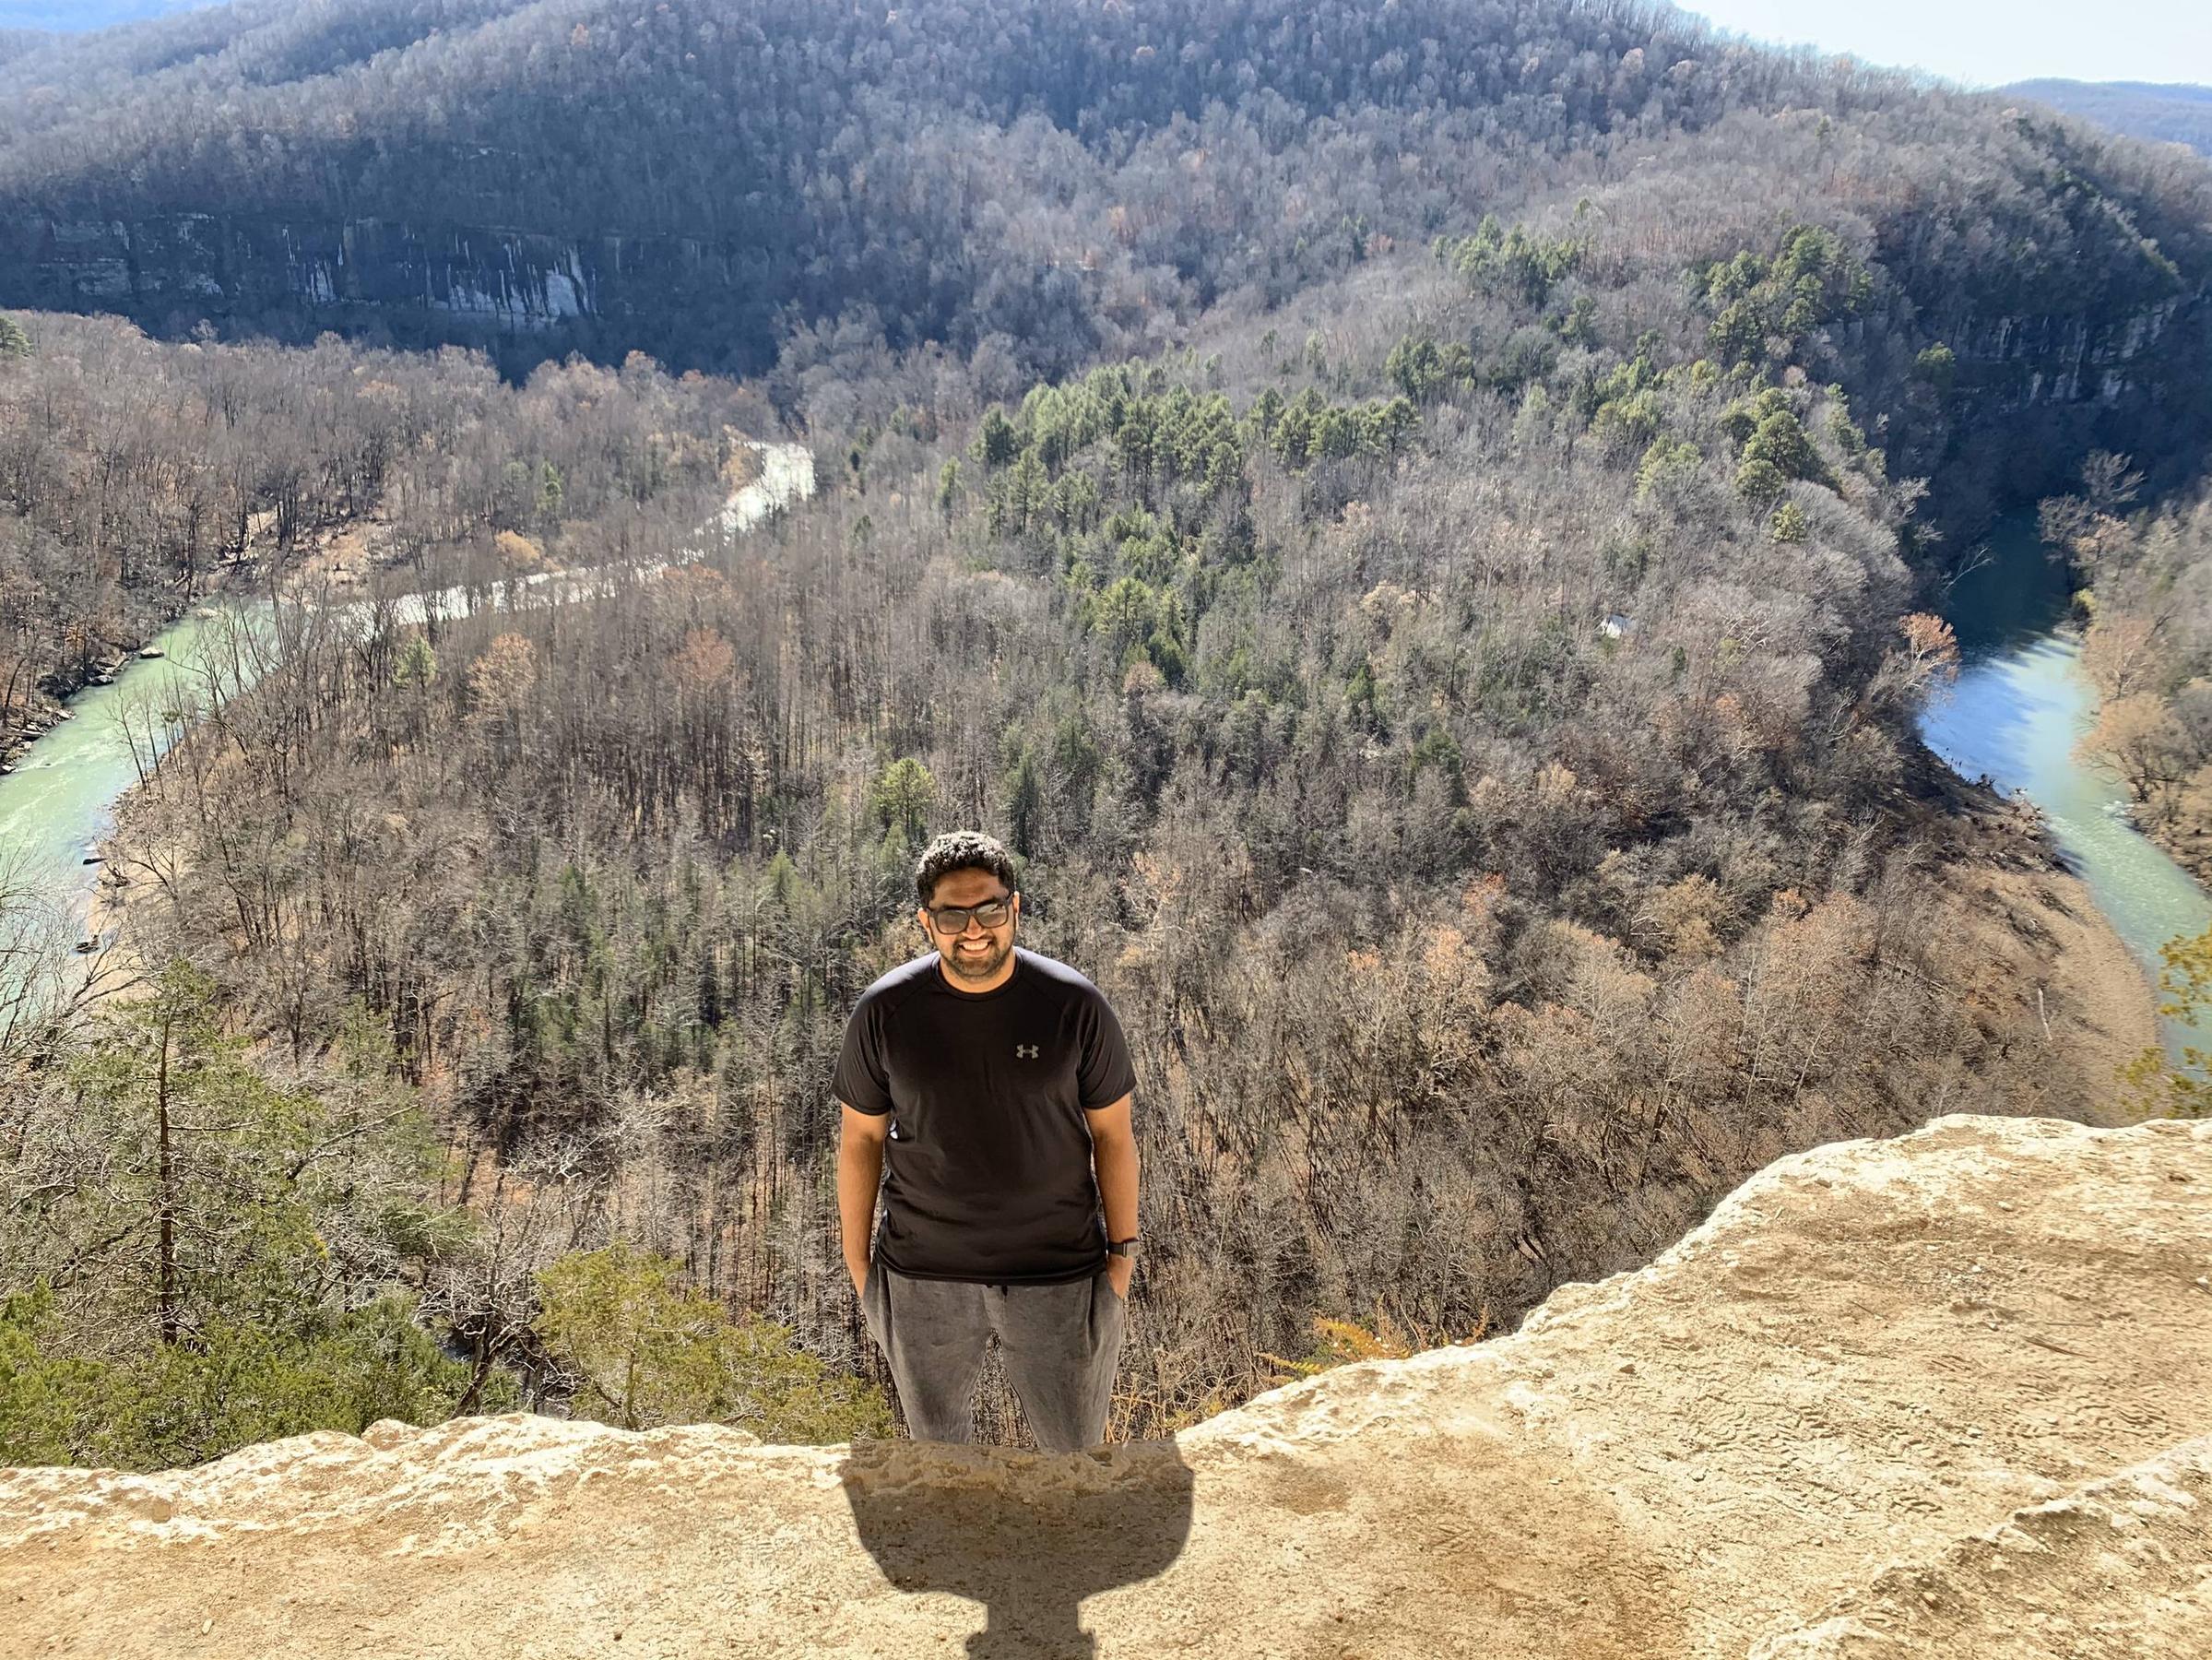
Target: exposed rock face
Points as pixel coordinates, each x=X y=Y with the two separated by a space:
x=517 y=281
x=422 y=285
x=1941 y=1394
x=2017 y=361
x=430 y=283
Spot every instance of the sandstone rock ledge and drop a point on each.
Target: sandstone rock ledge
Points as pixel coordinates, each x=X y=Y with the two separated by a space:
x=1945 y=1394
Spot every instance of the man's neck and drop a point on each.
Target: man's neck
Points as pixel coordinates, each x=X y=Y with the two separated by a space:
x=1006 y=972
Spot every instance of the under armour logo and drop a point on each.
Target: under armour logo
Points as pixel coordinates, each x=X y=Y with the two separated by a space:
x=1026 y=1051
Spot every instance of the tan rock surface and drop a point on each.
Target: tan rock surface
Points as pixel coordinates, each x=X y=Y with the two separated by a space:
x=1940 y=1395
x=2116 y=1568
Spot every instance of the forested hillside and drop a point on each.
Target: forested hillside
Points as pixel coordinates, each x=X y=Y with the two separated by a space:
x=1418 y=522
x=134 y=478
x=1033 y=188
x=1054 y=181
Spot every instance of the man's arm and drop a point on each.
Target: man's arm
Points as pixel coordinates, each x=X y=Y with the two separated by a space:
x=859 y=1172
x=1114 y=1156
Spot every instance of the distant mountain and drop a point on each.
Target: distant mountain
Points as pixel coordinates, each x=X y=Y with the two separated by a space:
x=86 y=15
x=1047 y=185
x=2176 y=114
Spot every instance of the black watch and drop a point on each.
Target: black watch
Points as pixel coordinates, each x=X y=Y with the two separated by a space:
x=1122 y=1248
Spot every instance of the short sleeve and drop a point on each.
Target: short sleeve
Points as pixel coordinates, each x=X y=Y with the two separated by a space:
x=859 y=1081
x=1106 y=1073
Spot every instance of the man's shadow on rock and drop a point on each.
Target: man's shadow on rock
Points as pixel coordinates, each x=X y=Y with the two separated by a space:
x=1027 y=1534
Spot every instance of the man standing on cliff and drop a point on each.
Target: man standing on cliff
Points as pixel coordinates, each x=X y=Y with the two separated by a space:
x=994 y=1080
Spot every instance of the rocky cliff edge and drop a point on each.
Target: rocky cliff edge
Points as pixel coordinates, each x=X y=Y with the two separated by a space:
x=1946 y=1394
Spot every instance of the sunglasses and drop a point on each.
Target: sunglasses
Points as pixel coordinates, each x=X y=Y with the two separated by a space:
x=953 y=919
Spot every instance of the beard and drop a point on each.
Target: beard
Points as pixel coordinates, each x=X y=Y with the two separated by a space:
x=977 y=965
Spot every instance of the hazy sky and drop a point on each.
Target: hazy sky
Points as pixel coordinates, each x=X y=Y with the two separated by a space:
x=68 y=14
x=1986 y=44
x=1976 y=43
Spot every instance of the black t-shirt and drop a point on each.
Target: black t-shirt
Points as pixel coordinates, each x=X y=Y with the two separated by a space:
x=988 y=1153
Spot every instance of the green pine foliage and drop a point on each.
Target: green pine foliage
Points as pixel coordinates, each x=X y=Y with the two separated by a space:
x=1780 y=442
x=1667 y=462
x=1764 y=301
x=1135 y=485
x=645 y=1350
x=1938 y=365
x=1425 y=371
x=904 y=799
x=221 y=1190
x=199 y=1257
x=416 y=662
x=238 y=1381
x=1510 y=263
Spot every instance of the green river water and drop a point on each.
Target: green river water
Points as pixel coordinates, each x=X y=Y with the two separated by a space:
x=2020 y=704
x=59 y=801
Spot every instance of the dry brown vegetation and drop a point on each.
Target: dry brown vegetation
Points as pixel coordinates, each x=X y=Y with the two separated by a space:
x=2149 y=650
x=1458 y=701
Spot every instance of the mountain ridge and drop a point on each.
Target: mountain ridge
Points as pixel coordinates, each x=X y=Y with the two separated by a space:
x=2166 y=112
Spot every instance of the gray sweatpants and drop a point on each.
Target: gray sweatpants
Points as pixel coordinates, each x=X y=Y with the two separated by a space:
x=1059 y=1345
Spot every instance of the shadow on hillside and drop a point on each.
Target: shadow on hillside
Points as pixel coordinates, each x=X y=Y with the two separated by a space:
x=1027 y=1534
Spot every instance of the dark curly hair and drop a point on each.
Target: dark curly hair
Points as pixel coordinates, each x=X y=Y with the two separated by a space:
x=960 y=851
